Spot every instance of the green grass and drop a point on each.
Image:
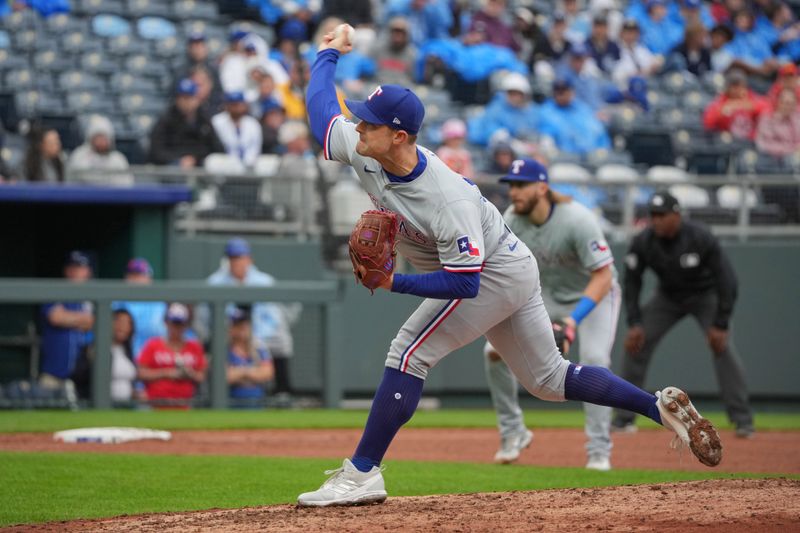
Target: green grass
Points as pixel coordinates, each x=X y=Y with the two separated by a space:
x=51 y=486
x=45 y=421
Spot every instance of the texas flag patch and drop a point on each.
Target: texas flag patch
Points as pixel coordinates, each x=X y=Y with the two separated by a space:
x=465 y=246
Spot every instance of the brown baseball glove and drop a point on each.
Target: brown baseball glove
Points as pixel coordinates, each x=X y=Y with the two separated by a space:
x=372 y=248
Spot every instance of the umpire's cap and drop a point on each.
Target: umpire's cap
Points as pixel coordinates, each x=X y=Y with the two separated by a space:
x=391 y=105
x=526 y=170
x=663 y=202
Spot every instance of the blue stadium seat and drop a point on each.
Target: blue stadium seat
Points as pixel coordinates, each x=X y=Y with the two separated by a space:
x=106 y=25
x=9 y=60
x=61 y=23
x=82 y=102
x=126 y=45
x=76 y=80
x=154 y=28
x=53 y=61
x=142 y=122
x=24 y=41
x=141 y=64
x=168 y=48
x=98 y=63
x=5 y=39
x=80 y=42
x=31 y=104
x=124 y=82
x=95 y=7
x=196 y=9
x=148 y=8
x=19 y=79
x=141 y=103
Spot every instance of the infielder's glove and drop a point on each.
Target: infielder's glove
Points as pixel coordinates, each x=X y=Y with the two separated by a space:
x=372 y=248
x=564 y=334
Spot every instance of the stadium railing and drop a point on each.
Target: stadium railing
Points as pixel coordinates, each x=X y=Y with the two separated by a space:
x=324 y=293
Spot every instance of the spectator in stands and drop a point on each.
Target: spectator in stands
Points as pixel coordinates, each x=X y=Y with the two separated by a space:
x=737 y=109
x=660 y=34
x=502 y=155
x=356 y=12
x=294 y=139
x=395 y=56
x=635 y=58
x=511 y=110
x=721 y=58
x=427 y=19
x=271 y=322
x=292 y=94
x=602 y=49
x=239 y=132
x=123 y=369
x=147 y=316
x=257 y=63
x=777 y=28
x=96 y=161
x=570 y=123
x=586 y=79
x=44 y=159
x=7 y=174
x=267 y=92
x=692 y=13
x=452 y=151
x=692 y=55
x=172 y=366
x=184 y=135
x=250 y=365
x=787 y=79
x=557 y=41
x=197 y=55
x=233 y=63
x=778 y=130
x=532 y=38
x=750 y=49
x=488 y=26
x=209 y=91
x=272 y=118
x=66 y=327
x=579 y=24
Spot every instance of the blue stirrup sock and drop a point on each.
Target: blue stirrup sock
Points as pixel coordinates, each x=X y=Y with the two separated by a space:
x=394 y=404
x=598 y=385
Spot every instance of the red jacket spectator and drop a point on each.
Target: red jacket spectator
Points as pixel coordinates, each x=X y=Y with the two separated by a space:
x=736 y=110
x=787 y=79
x=778 y=131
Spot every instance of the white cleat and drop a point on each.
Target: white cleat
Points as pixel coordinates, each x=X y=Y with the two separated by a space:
x=599 y=463
x=347 y=486
x=694 y=431
x=511 y=447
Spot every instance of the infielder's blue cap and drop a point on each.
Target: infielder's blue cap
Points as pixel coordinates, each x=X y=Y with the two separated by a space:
x=237 y=247
x=391 y=105
x=526 y=170
x=187 y=87
x=77 y=258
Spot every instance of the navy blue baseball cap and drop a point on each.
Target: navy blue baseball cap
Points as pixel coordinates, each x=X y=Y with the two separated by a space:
x=77 y=258
x=526 y=169
x=187 y=87
x=177 y=313
x=234 y=97
x=237 y=247
x=238 y=314
x=391 y=105
x=196 y=37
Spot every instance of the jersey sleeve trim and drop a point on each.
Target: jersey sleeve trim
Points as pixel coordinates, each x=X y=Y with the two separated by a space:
x=463 y=268
x=602 y=263
x=326 y=150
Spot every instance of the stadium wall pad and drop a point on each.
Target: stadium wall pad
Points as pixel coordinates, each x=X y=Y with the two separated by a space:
x=768 y=305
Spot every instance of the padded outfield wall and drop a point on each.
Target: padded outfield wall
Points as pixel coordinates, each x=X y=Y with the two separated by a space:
x=765 y=322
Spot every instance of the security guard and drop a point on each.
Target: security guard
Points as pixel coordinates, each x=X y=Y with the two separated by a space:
x=695 y=278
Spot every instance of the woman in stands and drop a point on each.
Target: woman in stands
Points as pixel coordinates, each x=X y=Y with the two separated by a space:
x=44 y=160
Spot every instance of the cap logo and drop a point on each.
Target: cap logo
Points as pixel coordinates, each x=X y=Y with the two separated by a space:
x=658 y=200
x=377 y=92
x=517 y=165
x=396 y=120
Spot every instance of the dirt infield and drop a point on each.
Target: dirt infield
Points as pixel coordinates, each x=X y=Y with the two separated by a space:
x=719 y=505
x=772 y=452
x=731 y=506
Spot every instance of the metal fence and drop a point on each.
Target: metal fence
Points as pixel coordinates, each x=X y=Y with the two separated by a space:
x=325 y=294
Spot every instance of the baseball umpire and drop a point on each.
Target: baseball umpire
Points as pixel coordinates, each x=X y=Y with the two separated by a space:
x=476 y=277
x=695 y=278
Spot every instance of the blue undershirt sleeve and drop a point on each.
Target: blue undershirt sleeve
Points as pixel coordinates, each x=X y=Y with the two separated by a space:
x=440 y=284
x=321 y=101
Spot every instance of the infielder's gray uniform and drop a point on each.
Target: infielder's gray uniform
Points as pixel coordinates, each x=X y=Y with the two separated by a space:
x=469 y=236
x=568 y=247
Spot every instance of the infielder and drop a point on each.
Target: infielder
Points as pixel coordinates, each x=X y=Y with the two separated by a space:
x=477 y=279
x=579 y=284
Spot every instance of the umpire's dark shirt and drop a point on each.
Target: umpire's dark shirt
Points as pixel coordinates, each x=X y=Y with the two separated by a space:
x=689 y=265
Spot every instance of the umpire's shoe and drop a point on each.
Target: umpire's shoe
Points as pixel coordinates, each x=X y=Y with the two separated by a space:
x=679 y=415
x=347 y=486
x=512 y=446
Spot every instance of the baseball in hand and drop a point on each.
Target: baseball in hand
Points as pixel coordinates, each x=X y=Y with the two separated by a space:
x=344 y=32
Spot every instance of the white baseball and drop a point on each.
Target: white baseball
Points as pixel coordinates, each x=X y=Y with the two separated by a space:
x=345 y=31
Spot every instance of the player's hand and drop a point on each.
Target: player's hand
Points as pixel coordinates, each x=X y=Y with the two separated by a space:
x=717 y=339
x=634 y=340
x=338 y=40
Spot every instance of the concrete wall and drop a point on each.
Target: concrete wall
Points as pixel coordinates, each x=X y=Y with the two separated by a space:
x=765 y=322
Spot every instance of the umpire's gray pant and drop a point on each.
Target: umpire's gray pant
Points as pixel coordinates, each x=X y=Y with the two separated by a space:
x=658 y=317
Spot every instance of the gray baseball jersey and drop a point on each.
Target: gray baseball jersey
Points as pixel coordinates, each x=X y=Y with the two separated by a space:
x=568 y=247
x=447 y=224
